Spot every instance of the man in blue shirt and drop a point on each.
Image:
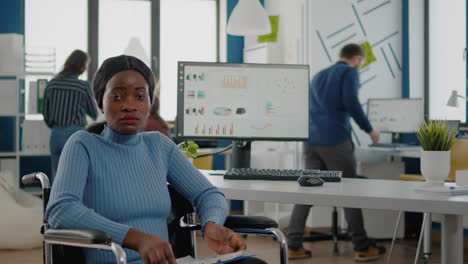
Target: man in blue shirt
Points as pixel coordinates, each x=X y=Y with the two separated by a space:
x=333 y=100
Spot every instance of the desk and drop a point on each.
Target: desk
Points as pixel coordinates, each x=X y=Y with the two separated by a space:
x=358 y=193
x=403 y=152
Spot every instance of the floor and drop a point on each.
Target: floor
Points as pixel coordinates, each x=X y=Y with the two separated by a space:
x=268 y=250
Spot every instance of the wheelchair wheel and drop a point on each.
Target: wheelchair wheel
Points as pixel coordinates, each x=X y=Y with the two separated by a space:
x=425 y=259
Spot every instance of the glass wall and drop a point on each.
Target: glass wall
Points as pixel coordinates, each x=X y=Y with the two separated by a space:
x=187 y=34
x=53 y=29
x=125 y=28
x=447 y=66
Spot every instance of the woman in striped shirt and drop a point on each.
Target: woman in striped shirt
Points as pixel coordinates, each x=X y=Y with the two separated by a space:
x=67 y=101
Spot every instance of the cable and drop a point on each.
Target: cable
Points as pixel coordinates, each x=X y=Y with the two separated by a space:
x=213 y=153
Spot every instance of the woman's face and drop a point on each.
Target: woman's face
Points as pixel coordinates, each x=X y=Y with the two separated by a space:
x=126 y=102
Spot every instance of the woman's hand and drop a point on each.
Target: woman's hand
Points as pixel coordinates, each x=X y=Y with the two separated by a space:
x=152 y=249
x=221 y=239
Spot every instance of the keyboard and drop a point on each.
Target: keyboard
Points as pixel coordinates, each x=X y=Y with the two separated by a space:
x=280 y=174
x=388 y=145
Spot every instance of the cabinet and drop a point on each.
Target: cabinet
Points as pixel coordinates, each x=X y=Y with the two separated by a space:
x=24 y=137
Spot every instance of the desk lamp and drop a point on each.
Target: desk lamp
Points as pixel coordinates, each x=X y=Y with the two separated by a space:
x=453 y=100
x=248 y=18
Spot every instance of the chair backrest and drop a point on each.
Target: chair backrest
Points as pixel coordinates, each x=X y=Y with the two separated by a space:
x=203 y=163
x=179 y=238
x=458 y=157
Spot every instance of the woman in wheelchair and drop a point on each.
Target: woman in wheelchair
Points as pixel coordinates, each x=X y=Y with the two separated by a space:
x=115 y=180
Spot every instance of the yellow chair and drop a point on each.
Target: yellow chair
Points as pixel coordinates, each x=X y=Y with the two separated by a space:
x=412 y=177
x=204 y=163
x=458 y=157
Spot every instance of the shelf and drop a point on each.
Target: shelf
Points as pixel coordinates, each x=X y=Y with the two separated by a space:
x=22 y=74
x=8 y=154
x=13 y=129
x=23 y=154
x=34 y=117
x=28 y=116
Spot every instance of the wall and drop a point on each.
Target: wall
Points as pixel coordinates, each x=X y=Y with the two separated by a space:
x=334 y=23
x=416 y=48
x=289 y=46
x=447 y=66
x=303 y=23
x=11 y=17
x=298 y=42
x=11 y=36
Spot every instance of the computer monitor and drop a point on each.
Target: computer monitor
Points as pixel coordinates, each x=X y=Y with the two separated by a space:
x=452 y=125
x=396 y=115
x=242 y=102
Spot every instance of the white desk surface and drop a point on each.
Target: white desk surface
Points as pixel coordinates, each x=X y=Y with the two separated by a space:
x=361 y=193
x=355 y=193
x=407 y=152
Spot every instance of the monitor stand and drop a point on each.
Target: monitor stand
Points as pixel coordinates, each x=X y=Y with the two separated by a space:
x=396 y=138
x=241 y=154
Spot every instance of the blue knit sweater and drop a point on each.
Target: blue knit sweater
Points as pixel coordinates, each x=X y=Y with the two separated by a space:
x=112 y=182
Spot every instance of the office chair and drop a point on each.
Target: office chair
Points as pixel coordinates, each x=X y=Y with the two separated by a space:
x=65 y=246
x=335 y=234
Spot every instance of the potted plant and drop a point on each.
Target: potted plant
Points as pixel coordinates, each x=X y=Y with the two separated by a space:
x=189 y=148
x=436 y=142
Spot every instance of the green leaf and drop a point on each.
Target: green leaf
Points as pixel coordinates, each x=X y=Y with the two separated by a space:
x=189 y=148
x=434 y=136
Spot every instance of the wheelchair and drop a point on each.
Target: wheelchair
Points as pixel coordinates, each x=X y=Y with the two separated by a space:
x=65 y=246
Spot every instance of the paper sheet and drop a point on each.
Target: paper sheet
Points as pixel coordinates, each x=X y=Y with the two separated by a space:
x=443 y=189
x=214 y=259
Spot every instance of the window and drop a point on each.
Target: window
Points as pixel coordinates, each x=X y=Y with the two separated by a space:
x=187 y=34
x=53 y=29
x=447 y=67
x=124 y=28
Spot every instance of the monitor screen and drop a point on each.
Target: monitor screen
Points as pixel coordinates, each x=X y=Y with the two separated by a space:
x=242 y=101
x=396 y=115
x=452 y=125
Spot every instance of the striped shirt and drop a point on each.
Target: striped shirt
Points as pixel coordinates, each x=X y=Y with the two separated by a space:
x=67 y=101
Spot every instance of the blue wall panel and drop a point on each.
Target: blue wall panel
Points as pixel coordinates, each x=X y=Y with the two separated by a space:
x=12 y=16
x=7 y=133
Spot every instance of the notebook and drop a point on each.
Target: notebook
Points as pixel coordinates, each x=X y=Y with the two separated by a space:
x=226 y=258
x=449 y=188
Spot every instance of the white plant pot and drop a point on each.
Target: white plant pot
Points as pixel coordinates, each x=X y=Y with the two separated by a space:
x=435 y=166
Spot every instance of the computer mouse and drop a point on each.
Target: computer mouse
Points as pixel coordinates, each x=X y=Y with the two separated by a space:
x=305 y=180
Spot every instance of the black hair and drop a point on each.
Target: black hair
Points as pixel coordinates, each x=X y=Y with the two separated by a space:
x=96 y=128
x=154 y=112
x=114 y=65
x=351 y=50
x=111 y=67
x=75 y=63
